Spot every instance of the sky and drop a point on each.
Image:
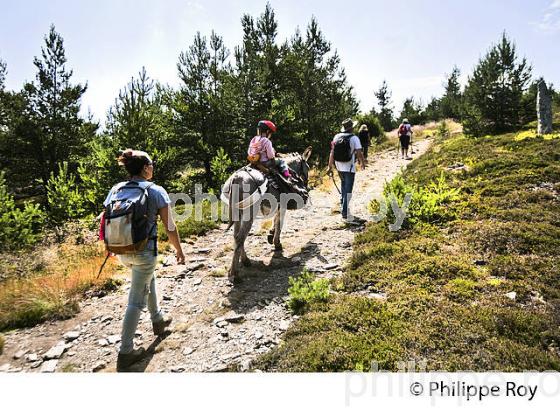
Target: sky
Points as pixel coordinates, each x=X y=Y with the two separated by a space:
x=410 y=44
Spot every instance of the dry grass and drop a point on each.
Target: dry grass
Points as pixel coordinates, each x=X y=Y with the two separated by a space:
x=264 y=227
x=319 y=179
x=70 y=271
x=218 y=273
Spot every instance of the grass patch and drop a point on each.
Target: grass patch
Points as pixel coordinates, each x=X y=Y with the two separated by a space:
x=218 y=273
x=305 y=291
x=446 y=275
x=55 y=292
x=191 y=222
x=1 y=344
x=70 y=368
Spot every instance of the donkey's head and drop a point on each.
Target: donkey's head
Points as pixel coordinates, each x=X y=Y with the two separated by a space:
x=298 y=162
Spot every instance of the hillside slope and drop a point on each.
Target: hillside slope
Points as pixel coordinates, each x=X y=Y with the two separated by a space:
x=472 y=284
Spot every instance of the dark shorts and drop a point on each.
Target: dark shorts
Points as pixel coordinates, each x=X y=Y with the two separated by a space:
x=405 y=141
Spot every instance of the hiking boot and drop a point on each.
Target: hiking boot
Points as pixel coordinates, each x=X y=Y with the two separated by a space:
x=353 y=220
x=125 y=360
x=161 y=326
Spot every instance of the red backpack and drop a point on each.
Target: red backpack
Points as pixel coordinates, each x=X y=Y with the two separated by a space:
x=403 y=129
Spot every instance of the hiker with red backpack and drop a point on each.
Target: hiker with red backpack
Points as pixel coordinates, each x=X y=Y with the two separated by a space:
x=405 y=137
x=345 y=148
x=129 y=229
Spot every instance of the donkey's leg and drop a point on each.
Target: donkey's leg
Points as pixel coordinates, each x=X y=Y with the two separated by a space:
x=244 y=232
x=278 y=222
x=236 y=251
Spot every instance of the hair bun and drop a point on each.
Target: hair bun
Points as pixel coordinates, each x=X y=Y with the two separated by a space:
x=124 y=156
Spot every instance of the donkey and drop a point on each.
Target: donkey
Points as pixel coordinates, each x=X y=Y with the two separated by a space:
x=246 y=192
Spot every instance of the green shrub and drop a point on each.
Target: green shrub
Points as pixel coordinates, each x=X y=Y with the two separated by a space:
x=19 y=228
x=305 y=290
x=64 y=200
x=461 y=289
x=442 y=129
x=428 y=204
x=376 y=131
x=98 y=172
x=193 y=226
x=221 y=166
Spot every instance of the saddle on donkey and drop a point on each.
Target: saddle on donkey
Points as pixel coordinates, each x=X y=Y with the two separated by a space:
x=260 y=180
x=278 y=184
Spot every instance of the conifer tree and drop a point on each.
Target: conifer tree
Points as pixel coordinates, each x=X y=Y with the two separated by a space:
x=383 y=95
x=54 y=106
x=451 y=101
x=141 y=118
x=495 y=89
x=206 y=103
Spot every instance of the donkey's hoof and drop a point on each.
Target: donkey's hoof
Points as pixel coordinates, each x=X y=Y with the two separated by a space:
x=270 y=238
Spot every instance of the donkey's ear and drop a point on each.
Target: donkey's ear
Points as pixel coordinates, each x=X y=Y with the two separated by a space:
x=307 y=153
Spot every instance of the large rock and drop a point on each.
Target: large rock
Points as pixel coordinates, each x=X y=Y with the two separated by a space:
x=544 y=109
x=55 y=352
x=20 y=353
x=70 y=336
x=49 y=366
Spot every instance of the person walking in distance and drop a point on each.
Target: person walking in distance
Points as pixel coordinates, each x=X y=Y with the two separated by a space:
x=405 y=135
x=363 y=135
x=345 y=149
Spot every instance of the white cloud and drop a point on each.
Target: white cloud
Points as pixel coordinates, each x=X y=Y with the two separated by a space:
x=550 y=21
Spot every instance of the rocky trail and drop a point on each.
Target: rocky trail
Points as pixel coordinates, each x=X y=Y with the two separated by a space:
x=217 y=327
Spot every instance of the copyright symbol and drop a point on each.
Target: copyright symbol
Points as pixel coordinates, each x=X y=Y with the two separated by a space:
x=416 y=389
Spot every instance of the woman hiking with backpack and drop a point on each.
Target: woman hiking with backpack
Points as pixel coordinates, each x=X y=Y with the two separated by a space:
x=129 y=227
x=405 y=137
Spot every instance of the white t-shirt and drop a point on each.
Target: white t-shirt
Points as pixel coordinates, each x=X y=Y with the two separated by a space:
x=355 y=144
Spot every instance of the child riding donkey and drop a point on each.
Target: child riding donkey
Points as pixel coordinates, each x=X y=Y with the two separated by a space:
x=261 y=153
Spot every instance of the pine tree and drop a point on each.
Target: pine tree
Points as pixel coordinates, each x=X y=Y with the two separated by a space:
x=141 y=118
x=257 y=66
x=206 y=103
x=314 y=95
x=3 y=71
x=413 y=111
x=54 y=108
x=433 y=111
x=44 y=126
x=451 y=102
x=383 y=95
x=131 y=120
x=495 y=89
x=3 y=101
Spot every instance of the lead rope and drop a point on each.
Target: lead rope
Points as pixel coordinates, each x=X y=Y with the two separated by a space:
x=334 y=181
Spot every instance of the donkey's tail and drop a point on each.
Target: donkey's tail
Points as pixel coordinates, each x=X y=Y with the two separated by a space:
x=234 y=182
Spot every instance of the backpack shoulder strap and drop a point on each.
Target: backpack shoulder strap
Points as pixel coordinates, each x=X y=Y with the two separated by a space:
x=116 y=187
